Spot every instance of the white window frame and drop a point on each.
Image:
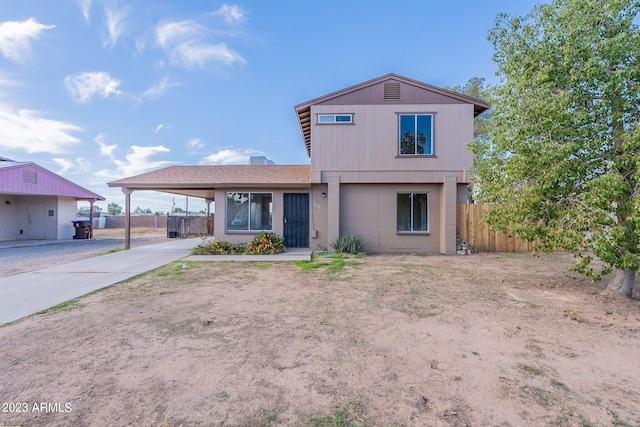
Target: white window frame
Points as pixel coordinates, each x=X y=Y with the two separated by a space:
x=332 y=119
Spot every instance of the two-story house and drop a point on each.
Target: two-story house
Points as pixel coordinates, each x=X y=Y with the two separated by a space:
x=389 y=162
x=391 y=156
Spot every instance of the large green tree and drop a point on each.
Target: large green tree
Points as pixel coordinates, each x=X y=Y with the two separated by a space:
x=114 y=209
x=563 y=161
x=476 y=88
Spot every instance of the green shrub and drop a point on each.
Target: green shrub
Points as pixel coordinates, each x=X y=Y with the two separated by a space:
x=219 y=247
x=348 y=244
x=266 y=243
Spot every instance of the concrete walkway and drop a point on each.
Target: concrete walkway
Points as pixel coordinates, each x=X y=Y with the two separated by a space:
x=24 y=294
x=27 y=293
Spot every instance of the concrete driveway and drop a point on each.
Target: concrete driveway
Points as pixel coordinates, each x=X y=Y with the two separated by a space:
x=27 y=293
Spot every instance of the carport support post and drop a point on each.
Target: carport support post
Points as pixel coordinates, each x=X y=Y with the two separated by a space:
x=91 y=202
x=209 y=232
x=208 y=206
x=127 y=217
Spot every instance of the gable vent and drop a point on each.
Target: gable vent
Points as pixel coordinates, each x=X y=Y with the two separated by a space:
x=30 y=177
x=392 y=91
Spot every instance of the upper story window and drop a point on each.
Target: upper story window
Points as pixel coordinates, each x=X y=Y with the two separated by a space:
x=416 y=134
x=335 y=118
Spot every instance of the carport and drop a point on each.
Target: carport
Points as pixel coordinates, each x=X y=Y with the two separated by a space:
x=37 y=204
x=217 y=182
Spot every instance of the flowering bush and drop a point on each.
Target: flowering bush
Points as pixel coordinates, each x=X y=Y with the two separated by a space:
x=219 y=247
x=266 y=243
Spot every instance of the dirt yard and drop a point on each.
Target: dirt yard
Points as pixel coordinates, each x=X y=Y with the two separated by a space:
x=403 y=340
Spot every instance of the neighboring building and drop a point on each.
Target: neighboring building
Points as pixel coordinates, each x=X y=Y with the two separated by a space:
x=36 y=204
x=389 y=162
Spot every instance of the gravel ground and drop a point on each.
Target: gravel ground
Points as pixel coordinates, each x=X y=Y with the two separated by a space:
x=29 y=258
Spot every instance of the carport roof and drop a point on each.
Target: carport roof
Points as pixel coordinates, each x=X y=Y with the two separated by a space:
x=28 y=178
x=201 y=181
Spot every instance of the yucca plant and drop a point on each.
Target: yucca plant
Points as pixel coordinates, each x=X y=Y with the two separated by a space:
x=348 y=244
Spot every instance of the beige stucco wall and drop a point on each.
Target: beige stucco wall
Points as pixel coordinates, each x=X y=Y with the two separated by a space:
x=369 y=211
x=318 y=217
x=370 y=144
x=277 y=214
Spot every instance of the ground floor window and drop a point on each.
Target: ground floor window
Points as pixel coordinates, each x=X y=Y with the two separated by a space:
x=412 y=212
x=249 y=211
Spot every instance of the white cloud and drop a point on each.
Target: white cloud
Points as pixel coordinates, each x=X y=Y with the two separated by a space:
x=160 y=89
x=195 y=144
x=65 y=165
x=105 y=150
x=230 y=156
x=16 y=38
x=83 y=165
x=85 y=86
x=162 y=126
x=193 y=53
x=29 y=131
x=6 y=81
x=186 y=44
x=170 y=34
x=115 y=22
x=232 y=14
x=85 y=8
x=137 y=161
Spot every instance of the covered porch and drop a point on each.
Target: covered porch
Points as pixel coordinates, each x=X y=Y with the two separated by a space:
x=246 y=198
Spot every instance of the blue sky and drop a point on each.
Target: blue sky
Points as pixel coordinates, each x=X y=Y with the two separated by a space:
x=98 y=90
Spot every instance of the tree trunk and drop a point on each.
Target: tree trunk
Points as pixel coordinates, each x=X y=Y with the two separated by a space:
x=622 y=283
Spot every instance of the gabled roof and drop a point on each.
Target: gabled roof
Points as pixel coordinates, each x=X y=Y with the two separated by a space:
x=30 y=178
x=420 y=93
x=201 y=181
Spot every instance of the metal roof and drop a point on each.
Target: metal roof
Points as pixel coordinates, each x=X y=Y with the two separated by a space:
x=28 y=178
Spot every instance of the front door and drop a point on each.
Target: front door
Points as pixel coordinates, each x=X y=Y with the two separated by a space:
x=296 y=220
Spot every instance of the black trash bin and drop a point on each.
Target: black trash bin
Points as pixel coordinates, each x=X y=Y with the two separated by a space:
x=83 y=229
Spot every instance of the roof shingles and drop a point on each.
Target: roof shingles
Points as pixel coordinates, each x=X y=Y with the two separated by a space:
x=220 y=176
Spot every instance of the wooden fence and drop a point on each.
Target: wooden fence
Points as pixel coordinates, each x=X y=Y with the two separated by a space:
x=480 y=237
x=148 y=221
x=185 y=226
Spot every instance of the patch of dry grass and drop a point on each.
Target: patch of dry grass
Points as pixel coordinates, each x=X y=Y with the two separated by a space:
x=102 y=232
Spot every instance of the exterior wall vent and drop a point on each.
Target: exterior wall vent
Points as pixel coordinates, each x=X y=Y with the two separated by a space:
x=392 y=91
x=30 y=177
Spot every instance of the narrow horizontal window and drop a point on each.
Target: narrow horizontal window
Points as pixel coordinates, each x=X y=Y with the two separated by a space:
x=335 y=118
